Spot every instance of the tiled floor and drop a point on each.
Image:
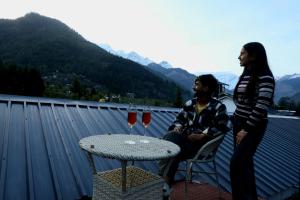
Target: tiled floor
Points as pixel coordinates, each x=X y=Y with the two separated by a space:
x=198 y=191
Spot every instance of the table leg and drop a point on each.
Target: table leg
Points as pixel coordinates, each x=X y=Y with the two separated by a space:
x=123 y=165
x=91 y=161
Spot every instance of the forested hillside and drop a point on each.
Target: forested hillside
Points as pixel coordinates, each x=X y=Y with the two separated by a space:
x=63 y=55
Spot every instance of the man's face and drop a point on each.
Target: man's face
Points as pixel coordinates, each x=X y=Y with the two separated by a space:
x=199 y=89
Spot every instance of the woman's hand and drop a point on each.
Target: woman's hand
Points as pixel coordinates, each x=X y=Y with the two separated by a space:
x=240 y=135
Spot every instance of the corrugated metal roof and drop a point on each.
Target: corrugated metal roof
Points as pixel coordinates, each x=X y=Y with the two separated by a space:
x=41 y=158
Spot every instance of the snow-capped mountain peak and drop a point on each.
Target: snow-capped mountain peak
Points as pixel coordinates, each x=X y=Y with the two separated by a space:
x=289 y=77
x=227 y=78
x=165 y=64
x=135 y=57
x=127 y=55
x=107 y=48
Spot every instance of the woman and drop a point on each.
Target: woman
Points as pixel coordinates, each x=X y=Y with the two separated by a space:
x=253 y=95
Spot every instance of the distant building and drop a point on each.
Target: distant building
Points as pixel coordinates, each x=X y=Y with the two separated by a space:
x=115 y=98
x=130 y=95
x=221 y=89
x=226 y=98
x=286 y=112
x=228 y=101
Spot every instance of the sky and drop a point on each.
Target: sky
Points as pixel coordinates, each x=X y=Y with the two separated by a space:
x=196 y=35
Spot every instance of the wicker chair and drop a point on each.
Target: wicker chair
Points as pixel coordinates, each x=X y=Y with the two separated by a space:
x=205 y=154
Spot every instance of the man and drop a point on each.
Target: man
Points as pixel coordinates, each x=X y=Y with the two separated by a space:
x=200 y=120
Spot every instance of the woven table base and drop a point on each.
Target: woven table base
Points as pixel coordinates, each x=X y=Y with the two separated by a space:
x=141 y=185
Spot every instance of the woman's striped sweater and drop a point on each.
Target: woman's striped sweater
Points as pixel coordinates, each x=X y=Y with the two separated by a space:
x=253 y=108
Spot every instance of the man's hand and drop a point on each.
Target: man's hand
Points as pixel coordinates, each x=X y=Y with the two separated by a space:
x=194 y=137
x=178 y=129
x=240 y=136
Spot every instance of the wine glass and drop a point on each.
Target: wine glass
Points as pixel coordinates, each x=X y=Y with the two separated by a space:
x=146 y=118
x=131 y=117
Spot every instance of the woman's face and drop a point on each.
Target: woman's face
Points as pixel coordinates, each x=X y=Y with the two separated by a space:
x=245 y=58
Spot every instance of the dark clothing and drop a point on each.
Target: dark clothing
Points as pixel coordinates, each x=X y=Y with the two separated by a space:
x=213 y=120
x=252 y=98
x=187 y=150
x=241 y=165
x=253 y=102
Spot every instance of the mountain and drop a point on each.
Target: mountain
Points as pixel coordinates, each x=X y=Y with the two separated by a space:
x=135 y=57
x=108 y=48
x=60 y=53
x=178 y=75
x=288 y=77
x=165 y=64
x=228 y=78
x=287 y=86
x=164 y=69
x=296 y=98
x=186 y=79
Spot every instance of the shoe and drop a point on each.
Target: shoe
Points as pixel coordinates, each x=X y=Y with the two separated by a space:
x=166 y=198
x=166 y=191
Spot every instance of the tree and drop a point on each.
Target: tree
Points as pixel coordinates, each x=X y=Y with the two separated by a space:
x=21 y=81
x=286 y=103
x=76 y=87
x=54 y=91
x=298 y=109
x=34 y=84
x=178 y=100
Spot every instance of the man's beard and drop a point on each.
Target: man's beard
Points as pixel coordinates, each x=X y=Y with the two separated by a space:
x=201 y=94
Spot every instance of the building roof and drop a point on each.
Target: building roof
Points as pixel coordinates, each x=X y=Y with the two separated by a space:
x=41 y=158
x=228 y=101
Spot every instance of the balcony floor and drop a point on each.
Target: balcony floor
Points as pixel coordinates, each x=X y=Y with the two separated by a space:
x=198 y=191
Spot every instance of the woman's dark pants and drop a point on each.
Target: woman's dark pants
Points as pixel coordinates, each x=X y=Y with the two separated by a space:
x=241 y=164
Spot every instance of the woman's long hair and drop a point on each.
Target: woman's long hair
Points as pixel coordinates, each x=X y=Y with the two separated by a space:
x=259 y=66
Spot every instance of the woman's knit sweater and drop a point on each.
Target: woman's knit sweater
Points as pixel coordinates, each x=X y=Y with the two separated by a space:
x=252 y=107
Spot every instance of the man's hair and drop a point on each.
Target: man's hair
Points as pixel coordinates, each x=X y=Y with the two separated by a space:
x=208 y=80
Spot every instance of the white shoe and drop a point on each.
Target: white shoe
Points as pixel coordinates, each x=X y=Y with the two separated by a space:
x=166 y=191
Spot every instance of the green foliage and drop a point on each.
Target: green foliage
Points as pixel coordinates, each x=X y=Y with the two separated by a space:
x=55 y=91
x=286 y=103
x=178 y=103
x=20 y=81
x=75 y=91
x=298 y=109
x=146 y=101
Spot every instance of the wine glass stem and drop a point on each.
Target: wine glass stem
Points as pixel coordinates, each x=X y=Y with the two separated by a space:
x=130 y=130
x=144 y=130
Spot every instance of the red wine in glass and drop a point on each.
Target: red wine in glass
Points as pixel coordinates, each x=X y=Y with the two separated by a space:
x=131 y=119
x=146 y=118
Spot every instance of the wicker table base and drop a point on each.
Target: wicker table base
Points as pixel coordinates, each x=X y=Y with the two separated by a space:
x=141 y=185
